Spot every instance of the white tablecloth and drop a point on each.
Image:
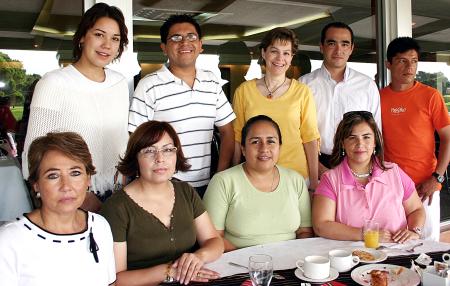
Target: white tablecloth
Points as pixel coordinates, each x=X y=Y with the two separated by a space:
x=286 y=253
x=14 y=198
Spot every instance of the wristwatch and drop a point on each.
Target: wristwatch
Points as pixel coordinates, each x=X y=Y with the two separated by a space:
x=438 y=177
x=417 y=230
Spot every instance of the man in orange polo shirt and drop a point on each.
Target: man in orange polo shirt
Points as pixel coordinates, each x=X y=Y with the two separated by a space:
x=411 y=112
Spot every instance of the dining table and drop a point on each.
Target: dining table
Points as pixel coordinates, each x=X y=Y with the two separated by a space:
x=285 y=254
x=14 y=197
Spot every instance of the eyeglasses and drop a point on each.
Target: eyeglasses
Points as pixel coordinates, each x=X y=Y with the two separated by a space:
x=362 y=113
x=190 y=37
x=151 y=152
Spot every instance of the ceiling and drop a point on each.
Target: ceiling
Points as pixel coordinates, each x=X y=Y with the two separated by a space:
x=227 y=24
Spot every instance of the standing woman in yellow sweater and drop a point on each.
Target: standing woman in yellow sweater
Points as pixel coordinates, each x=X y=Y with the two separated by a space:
x=286 y=101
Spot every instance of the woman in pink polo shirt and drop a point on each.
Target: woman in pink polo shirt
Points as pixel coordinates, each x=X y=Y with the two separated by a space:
x=361 y=186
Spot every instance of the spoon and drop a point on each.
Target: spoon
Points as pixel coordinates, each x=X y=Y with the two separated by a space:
x=413 y=247
x=274 y=275
x=381 y=247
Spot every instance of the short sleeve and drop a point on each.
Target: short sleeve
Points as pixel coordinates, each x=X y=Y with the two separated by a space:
x=308 y=121
x=304 y=203
x=142 y=107
x=197 y=203
x=408 y=184
x=439 y=111
x=114 y=211
x=238 y=107
x=224 y=112
x=107 y=248
x=325 y=188
x=216 y=201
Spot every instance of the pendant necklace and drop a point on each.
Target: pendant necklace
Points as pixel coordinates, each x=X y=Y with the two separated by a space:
x=270 y=95
x=362 y=176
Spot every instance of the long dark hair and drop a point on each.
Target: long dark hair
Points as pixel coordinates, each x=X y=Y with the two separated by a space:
x=88 y=21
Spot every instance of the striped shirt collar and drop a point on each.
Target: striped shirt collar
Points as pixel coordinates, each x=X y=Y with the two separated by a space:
x=166 y=75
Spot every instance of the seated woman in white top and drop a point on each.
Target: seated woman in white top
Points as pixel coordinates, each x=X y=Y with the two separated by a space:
x=58 y=243
x=258 y=201
x=88 y=98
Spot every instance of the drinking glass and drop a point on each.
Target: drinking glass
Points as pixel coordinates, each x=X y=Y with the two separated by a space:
x=371 y=235
x=260 y=268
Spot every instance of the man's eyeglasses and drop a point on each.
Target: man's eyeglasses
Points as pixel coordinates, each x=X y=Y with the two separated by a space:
x=362 y=113
x=190 y=37
x=152 y=152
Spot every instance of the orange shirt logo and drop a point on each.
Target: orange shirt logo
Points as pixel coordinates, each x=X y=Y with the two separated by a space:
x=398 y=110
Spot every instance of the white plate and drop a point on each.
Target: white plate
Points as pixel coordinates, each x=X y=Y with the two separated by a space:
x=379 y=255
x=407 y=277
x=333 y=275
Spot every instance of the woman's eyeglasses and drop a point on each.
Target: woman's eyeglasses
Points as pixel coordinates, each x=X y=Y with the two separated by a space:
x=152 y=152
x=362 y=113
x=190 y=37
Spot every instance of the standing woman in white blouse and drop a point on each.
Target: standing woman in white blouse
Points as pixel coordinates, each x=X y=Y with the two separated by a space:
x=87 y=98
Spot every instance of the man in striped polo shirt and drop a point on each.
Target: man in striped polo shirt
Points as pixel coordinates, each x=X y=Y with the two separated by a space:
x=190 y=99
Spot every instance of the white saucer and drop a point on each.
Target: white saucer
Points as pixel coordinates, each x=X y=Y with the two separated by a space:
x=333 y=275
x=344 y=270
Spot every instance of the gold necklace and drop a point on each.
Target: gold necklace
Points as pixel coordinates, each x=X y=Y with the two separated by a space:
x=274 y=170
x=270 y=95
x=273 y=178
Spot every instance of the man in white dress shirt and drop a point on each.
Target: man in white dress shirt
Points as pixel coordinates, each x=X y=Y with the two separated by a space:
x=338 y=89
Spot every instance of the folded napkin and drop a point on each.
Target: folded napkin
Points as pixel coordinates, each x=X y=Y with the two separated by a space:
x=424 y=259
x=416 y=268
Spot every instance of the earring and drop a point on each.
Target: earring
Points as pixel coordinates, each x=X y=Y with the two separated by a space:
x=343 y=153
x=374 y=151
x=79 y=46
x=38 y=195
x=137 y=174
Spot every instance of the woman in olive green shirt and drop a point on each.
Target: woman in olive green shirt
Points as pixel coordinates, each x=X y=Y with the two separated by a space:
x=156 y=221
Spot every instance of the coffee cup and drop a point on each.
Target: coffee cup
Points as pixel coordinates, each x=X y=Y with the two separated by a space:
x=446 y=258
x=314 y=267
x=342 y=260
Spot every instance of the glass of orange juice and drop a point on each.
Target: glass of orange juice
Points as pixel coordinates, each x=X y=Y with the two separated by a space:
x=371 y=235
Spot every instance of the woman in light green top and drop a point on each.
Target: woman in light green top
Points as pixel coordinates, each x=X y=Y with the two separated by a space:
x=257 y=201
